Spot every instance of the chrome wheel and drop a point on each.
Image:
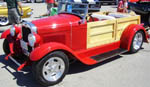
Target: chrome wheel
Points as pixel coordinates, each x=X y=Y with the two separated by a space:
x=4 y=21
x=137 y=41
x=53 y=69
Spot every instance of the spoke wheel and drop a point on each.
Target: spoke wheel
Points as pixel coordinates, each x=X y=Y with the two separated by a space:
x=137 y=42
x=51 y=69
x=4 y=21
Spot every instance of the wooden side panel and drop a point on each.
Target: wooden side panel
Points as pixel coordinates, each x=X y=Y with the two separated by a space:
x=100 y=32
x=122 y=24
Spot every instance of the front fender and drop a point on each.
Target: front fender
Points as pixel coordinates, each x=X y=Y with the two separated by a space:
x=128 y=34
x=44 y=49
x=5 y=34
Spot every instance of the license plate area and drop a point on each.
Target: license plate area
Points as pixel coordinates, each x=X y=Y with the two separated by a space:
x=24 y=47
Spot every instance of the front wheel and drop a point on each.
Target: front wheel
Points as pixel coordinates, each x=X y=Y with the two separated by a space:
x=51 y=69
x=6 y=47
x=137 y=42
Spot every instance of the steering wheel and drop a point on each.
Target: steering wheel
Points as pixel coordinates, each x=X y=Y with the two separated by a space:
x=89 y=17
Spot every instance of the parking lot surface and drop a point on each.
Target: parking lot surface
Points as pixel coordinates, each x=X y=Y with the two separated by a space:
x=126 y=70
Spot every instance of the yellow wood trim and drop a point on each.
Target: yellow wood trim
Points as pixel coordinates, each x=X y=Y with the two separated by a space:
x=127 y=19
x=108 y=31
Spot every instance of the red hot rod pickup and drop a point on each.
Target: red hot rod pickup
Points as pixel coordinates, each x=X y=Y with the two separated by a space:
x=50 y=43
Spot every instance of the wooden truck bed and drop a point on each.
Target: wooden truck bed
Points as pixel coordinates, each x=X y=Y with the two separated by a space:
x=109 y=30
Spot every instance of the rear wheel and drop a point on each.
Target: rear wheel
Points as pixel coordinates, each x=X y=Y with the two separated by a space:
x=137 y=42
x=51 y=69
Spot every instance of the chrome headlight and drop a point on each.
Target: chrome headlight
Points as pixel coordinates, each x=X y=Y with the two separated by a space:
x=12 y=30
x=29 y=13
x=31 y=39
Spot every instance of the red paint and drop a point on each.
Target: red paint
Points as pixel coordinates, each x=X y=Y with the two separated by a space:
x=139 y=0
x=93 y=19
x=128 y=34
x=5 y=33
x=69 y=34
x=17 y=30
x=19 y=36
x=69 y=30
x=14 y=45
x=50 y=47
x=22 y=66
x=99 y=49
x=83 y=56
x=134 y=0
x=6 y=58
x=78 y=36
x=50 y=1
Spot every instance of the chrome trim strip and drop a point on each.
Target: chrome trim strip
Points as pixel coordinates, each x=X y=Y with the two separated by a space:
x=30 y=26
x=12 y=59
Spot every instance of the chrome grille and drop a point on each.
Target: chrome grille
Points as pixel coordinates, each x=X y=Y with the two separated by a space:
x=25 y=32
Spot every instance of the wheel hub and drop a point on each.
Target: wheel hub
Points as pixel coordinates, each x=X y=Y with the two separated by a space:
x=137 y=41
x=53 y=69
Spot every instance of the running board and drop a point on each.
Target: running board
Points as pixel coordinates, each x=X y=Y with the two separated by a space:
x=110 y=54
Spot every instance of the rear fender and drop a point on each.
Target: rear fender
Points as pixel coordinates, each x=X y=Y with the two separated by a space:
x=45 y=49
x=128 y=34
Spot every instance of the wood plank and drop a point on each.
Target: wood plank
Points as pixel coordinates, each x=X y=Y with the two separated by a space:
x=100 y=32
x=108 y=31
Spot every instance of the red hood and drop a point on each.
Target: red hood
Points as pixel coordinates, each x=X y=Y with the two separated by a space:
x=61 y=20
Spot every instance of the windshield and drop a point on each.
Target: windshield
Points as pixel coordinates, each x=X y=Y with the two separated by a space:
x=73 y=8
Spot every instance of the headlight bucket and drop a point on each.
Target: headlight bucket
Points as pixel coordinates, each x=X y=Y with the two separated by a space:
x=33 y=39
x=14 y=30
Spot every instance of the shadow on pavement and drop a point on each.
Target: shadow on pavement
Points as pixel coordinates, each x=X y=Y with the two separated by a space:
x=79 y=67
x=23 y=78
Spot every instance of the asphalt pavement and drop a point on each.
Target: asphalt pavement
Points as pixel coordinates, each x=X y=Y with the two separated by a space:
x=126 y=70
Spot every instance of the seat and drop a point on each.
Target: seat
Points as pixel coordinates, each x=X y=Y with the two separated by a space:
x=102 y=17
x=118 y=15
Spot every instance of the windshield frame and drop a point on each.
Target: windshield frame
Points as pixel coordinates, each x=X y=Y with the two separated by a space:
x=72 y=3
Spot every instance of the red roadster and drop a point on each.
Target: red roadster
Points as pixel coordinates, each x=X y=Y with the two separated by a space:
x=50 y=43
